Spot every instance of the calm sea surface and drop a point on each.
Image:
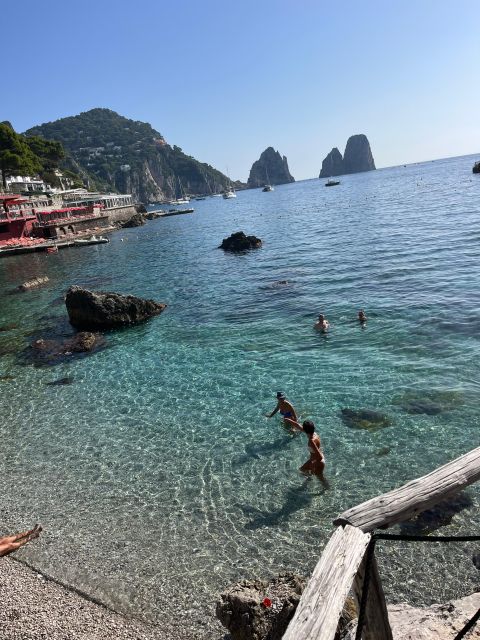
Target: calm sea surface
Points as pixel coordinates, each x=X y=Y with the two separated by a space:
x=156 y=476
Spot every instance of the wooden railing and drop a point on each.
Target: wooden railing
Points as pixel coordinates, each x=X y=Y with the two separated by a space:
x=349 y=555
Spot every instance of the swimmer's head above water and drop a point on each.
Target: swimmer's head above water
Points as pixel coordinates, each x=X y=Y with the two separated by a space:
x=308 y=427
x=321 y=317
x=280 y=395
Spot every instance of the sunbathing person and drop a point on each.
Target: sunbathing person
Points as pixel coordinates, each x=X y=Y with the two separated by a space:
x=9 y=544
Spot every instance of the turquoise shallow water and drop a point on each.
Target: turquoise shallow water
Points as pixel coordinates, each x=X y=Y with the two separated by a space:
x=155 y=474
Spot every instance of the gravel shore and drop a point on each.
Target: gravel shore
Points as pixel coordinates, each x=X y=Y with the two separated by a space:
x=33 y=607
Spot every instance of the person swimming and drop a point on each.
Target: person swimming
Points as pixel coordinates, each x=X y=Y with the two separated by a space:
x=316 y=464
x=362 y=318
x=285 y=408
x=322 y=324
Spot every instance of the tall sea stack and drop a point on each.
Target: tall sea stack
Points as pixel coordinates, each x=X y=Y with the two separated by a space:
x=270 y=168
x=357 y=157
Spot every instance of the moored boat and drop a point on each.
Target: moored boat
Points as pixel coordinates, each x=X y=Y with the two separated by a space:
x=332 y=183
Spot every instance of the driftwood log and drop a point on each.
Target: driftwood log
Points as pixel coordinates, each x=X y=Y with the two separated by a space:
x=322 y=601
x=416 y=496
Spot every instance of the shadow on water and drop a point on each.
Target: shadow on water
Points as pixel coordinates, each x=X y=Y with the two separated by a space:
x=258 y=450
x=296 y=499
x=439 y=516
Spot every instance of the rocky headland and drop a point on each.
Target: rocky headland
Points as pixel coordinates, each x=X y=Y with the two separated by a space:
x=357 y=158
x=270 y=168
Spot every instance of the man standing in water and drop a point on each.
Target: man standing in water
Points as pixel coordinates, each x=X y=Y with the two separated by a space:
x=322 y=324
x=286 y=409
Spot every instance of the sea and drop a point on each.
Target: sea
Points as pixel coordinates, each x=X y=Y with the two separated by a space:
x=155 y=473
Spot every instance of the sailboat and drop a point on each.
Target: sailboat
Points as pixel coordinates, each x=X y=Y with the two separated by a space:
x=183 y=198
x=229 y=191
x=267 y=186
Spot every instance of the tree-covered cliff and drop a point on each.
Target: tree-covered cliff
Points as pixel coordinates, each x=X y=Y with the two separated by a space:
x=129 y=156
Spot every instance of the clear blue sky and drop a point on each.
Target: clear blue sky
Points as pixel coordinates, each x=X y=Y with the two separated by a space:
x=224 y=80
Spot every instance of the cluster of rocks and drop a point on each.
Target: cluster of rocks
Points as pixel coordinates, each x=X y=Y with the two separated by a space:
x=32 y=284
x=357 y=158
x=270 y=168
x=239 y=242
x=262 y=610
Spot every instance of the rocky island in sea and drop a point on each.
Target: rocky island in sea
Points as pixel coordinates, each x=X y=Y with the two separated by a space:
x=270 y=168
x=357 y=158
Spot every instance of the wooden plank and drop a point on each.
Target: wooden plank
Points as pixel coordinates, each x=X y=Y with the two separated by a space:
x=322 y=601
x=377 y=626
x=414 y=497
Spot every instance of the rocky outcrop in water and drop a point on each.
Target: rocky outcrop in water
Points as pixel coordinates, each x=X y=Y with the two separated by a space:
x=365 y=419
x=137 y=220
x=476 y=167
x=358 y=155
x=102 y=310
x=270 y=168
x=260 y=610
x=239 y=242
x=357 y=158
x=333 y=164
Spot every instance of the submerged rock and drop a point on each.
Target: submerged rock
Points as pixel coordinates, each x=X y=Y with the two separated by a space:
x=239 y=242
x=104 y=310
x=6 y=378
x=8 y=327
x=438 y=516
x=61 y=381
x=365 y=419
x=429 y=402
x=52 y=351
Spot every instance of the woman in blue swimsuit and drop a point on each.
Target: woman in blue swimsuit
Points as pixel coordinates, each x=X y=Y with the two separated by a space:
x=286 y=410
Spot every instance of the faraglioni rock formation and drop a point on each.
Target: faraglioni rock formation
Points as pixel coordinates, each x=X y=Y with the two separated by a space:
x=102 y=310
x=357 y=158
x=333 y=164
x=270 y=168
x=239 y=242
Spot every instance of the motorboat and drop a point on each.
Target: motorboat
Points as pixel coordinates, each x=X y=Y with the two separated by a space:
x=91 y=240
x=268 y=187
x=176 y=212
x=229 y=193
x=332 y=183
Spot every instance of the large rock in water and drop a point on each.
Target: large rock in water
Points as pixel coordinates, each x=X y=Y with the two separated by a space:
x=358 y=155
x=239 y=242
x=270 y=168
x=332 y=165
x=476 y=167
x=102 y=310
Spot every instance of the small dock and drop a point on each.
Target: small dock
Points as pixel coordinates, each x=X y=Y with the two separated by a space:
x=348 y=563
x=51 y=244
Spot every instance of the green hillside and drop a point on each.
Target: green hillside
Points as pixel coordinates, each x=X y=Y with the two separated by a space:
x=129 y=156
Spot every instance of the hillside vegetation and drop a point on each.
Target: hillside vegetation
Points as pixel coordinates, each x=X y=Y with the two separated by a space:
x=129 y=156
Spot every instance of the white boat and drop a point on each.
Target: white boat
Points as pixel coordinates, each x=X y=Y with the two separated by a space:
x=267 y=186
x=229 y=193
x=91 y=240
